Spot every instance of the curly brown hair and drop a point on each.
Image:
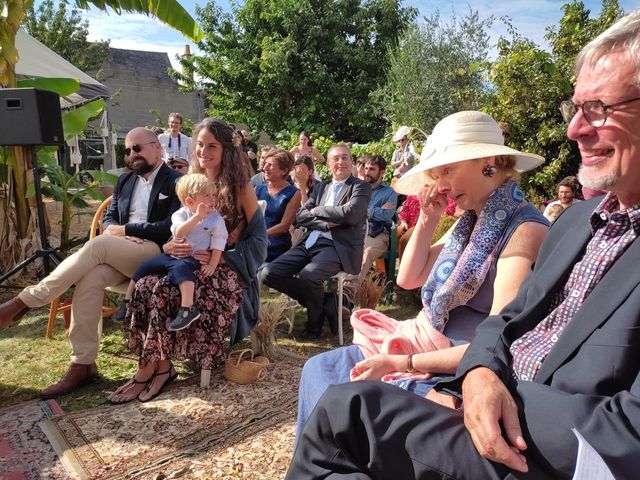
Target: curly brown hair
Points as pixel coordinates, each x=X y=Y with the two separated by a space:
x=233 y=173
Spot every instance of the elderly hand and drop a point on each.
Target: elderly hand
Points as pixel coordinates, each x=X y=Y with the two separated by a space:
x=432 y=203
x=487 y=405
x=178 y=247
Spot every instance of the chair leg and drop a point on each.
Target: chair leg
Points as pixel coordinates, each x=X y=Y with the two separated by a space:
x=205 y=378
x=340 y=290
x=51 y=323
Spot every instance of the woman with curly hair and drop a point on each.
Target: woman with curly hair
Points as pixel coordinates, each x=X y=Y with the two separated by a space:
x=228 y=298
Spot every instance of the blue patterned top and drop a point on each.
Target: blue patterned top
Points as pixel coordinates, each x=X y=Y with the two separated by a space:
x=276 y=206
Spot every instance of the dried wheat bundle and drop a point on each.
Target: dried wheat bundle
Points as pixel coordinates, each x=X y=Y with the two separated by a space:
x=271 y=314
x=370 y=290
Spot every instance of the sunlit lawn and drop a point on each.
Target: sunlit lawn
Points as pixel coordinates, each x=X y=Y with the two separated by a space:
x=29 y=362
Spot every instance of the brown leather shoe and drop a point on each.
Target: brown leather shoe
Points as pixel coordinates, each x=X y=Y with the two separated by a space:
x=76 y=376
x=11 y=312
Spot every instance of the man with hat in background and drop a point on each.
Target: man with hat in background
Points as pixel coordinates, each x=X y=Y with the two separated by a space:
x=403 y=156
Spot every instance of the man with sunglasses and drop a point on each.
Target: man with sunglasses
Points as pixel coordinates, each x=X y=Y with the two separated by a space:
x=136 y=225
x=563 y=355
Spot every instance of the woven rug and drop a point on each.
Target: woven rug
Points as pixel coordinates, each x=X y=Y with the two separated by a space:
x=25 y=452
x=226 y=431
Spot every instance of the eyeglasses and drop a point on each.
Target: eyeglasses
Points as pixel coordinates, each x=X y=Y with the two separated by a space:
x=594 y=111
x=136 y=148
x=177 y=166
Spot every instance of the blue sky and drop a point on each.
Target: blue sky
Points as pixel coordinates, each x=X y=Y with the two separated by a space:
x=529 y=17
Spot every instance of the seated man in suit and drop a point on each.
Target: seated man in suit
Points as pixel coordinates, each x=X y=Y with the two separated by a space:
x=380 y=213
x=564 y=354
x=136 y=226
x=334 y=216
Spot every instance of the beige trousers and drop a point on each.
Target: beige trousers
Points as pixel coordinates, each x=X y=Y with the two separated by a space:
x=102 y=262
x=374 y=247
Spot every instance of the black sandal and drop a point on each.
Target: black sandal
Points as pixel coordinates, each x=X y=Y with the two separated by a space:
x=127 y=386
x=169 y=379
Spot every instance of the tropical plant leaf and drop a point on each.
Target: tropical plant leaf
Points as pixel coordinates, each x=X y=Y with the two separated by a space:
x=75 y=121
x=62 y=86
x=103 y=177
x=169 y=12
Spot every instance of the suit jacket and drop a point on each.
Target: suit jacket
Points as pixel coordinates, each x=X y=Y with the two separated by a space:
x=350 y=213
x=590 y=380
x=163 y=201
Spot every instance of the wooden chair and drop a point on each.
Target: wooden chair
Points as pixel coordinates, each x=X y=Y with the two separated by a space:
x=107 y=311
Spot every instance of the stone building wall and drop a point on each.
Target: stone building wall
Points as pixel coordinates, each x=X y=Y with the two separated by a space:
x=139 y=82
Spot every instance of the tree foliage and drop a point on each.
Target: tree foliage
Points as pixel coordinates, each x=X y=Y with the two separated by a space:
x=436 y=70
x=65 y=32
x=299 y=64
x=529 y=84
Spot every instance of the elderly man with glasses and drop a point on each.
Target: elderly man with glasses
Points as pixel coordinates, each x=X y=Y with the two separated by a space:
x=562 y=356
x=136 y=226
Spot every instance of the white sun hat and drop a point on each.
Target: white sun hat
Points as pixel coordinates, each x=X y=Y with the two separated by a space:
x=458 y=137
x=402 y=132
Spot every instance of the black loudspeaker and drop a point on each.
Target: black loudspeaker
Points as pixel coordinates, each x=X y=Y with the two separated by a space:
x=29 y=116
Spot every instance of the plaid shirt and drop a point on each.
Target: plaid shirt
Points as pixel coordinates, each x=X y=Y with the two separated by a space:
x=613 y=231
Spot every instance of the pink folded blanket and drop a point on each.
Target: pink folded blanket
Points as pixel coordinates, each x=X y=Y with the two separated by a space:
x=376 y=333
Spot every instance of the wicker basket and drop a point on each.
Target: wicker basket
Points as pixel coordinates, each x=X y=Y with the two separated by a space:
x=244 y=370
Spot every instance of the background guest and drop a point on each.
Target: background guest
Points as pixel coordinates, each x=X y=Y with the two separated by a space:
x=282 y=198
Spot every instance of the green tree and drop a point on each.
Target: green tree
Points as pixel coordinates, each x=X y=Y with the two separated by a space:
x=436 y=70
x=299 y=64
x=65 y=32
x=530 y=84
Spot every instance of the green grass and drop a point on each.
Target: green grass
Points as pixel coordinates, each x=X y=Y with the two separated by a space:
x=30 y=362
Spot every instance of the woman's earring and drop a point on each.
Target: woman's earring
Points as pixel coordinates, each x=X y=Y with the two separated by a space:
x=489 y=171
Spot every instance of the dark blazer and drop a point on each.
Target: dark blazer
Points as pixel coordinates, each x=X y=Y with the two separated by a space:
x=162 y=203
x=590 y=380
x=350 y=213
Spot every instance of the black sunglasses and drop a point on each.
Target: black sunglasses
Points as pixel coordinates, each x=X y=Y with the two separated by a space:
x=136 y=148
x=178 y=166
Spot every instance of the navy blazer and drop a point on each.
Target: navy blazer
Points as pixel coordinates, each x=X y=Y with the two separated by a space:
x=591 y=378
x=163 y=201
x=349 y=212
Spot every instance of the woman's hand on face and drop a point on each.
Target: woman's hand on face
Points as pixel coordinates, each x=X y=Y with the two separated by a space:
x=376 y=367
x=300 y=175
x=432 y=203
x=178 y=247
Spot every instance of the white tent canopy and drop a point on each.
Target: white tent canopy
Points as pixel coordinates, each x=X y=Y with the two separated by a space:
x=37 y=60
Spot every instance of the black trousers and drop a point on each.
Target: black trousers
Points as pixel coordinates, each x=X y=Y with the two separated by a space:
x=371 y=430
x=312 y=266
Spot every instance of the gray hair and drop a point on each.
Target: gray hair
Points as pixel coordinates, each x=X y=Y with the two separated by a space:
x=623 y=36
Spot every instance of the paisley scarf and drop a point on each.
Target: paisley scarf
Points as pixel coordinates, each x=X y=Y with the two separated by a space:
x=468 y=254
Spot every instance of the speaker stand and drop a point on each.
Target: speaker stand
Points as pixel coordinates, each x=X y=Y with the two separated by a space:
x=47 y=253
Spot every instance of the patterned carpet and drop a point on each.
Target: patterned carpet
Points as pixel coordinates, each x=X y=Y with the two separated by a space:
x=227 y=431
x=25 y=452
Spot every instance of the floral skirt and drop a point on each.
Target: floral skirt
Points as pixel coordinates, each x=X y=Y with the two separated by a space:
x=156 y=302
